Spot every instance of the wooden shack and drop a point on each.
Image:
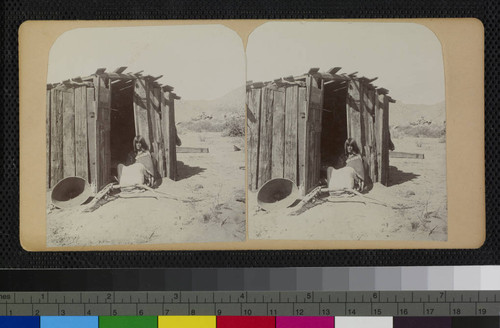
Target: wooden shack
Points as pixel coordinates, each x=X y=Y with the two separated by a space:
x=297 y=126
x=91 y=123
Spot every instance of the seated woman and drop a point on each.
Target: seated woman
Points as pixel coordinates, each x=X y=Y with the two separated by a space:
x=350 y=176
x=139 y=169
x=355 y=161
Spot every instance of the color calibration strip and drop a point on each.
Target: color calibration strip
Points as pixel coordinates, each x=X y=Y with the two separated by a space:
x=256 y=279
x=249 y=322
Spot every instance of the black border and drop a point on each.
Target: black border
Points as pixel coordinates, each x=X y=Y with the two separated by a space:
x=15 y=12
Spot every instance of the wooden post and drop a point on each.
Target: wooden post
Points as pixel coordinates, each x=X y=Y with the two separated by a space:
x=47 y=138
x=253 y=124
x=69 y=133
x=92 y=137
x=265 y=139
x=278 y=147
x=291 y=124
x=81 y=147
x=169 y=134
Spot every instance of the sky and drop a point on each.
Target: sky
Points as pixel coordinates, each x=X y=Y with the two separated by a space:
x=199 y=61
x=406 y=57
x=204 y=62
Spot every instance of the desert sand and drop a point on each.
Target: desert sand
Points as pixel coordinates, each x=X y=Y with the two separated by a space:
x=210 y=204
x=415 y=205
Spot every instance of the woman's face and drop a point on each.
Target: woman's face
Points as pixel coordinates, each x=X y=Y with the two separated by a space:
x=349 y=149
x=138 y=145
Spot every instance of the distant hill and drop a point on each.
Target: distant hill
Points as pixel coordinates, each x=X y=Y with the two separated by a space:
x=402 y=114
x=231 y=103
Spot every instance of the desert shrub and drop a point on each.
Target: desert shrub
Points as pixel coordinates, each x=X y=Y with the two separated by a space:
x=419 y=131
x=204 y=126
x=234 y=127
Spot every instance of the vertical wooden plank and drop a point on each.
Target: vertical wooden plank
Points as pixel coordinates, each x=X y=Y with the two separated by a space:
x=248 y=179
x=169 y=134
x=291 y=113
x=158 y=135
x=366 y=116
x=92 y=137
x=385 y=143
x=354 y=117
x=69 y=133
x=253 y=123
x=105 y=102
x=172 y=137
x=103 y=128
x=165 y=132
x=362 y=115
x=319 y=118
x=47 y=137
x=56 y=138
x=302 y=140
x=141 y=115
x=313 y=136
x=278 y=147
x=265 y=139
x=81 y=147
x=372 y=140
x=309 y=147
x=152 y=107
x=379 y=132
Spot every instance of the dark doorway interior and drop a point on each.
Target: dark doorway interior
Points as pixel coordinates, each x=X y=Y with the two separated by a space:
x=122 y=122
x=334 y=125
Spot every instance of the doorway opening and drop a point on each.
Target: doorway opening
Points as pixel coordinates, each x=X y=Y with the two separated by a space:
x=333 y=125
x=122 y=122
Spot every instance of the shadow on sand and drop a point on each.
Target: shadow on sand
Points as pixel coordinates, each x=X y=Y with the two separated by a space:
x=398 y=177
x=185 y=171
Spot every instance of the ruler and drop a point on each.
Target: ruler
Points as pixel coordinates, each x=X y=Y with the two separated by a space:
x=251 y=303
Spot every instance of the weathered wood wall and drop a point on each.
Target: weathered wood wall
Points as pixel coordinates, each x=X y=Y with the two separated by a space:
x=368 y=124
x=276 y=130
x=78 y=123
x=253 y=133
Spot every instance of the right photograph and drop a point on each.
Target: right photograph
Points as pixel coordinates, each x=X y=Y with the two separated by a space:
x=346 y=132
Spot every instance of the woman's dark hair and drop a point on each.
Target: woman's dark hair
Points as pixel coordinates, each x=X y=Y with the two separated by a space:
x=351 y=142
x=144 y=145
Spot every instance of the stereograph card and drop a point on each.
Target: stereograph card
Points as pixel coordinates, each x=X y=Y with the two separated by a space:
x=241 y=135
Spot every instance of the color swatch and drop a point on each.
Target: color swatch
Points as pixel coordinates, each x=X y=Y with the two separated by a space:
x=187 y=322
x=66 y=322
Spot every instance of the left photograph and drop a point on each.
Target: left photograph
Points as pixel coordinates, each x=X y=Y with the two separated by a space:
x=145 y=136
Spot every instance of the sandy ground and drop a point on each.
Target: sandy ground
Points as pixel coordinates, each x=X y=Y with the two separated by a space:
x=210 y=208
x=416 y=199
